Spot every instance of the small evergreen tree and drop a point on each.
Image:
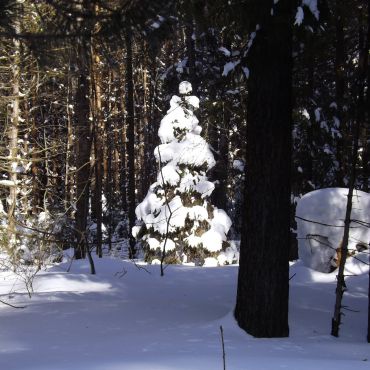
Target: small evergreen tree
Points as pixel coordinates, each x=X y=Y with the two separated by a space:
x=176 y=217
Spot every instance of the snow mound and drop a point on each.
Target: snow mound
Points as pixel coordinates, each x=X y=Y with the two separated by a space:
x=320 y=220
x=185 y=88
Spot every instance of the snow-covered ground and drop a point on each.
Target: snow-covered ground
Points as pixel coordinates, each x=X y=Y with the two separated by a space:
x=128 y=318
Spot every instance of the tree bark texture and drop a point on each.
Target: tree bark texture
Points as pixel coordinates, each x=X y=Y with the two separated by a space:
x=130 y=140
x=13 y=146
x=219 y=195
x=263 y=282
x=366 y=127
x=83 y=148
x=99 y=154
x=68 y=177
x=367 y=102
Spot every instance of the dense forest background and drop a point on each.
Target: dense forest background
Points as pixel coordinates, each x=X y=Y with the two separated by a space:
x=84 y=85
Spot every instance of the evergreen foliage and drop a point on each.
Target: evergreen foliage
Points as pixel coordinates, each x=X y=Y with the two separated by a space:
x=178 y=217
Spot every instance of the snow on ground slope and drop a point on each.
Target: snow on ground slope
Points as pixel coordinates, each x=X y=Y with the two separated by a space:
x=140 y=321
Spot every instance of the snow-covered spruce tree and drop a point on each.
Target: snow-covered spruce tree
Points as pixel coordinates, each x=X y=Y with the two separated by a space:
x=176 y=217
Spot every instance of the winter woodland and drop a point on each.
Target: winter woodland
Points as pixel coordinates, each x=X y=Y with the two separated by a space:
x=184 y=184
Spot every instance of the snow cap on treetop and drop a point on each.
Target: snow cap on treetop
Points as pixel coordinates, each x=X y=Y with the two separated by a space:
x=185 y=88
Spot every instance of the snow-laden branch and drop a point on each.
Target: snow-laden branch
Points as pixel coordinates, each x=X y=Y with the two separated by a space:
x=311 y=5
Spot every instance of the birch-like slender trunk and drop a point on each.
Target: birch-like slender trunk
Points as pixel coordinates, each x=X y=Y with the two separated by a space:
x=68 y=182
x=13 y=145
x=360 y=117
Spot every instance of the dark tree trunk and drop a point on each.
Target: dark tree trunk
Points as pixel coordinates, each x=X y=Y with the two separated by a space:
x=367 y=123
x=263 y=283
x=109 y=182
x=69 y=178
x=99 y=155
x=360 y=117
x=109 y=175
x=130 y=140
x=83 y=138
x=120 y=155
x=152 y=121
x=190 y=46
x=339 y=88
x=310 y=87
x=219 y=195
x=366 y=127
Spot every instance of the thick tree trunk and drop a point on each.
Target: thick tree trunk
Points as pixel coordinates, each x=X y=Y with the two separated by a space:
x=130 y=140
x=367 y=125
x=263 y=283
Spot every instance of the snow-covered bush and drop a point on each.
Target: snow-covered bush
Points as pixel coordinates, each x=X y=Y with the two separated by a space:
x=120 y=240
x=320 y=220
x=46 y=236
x=176 y=216
x=230 y=255
x=40 y=240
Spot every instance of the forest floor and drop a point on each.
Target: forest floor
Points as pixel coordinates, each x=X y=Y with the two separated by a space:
x=129 y=318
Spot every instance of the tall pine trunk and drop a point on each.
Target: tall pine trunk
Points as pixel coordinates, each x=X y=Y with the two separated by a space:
x=263 y=282
x=130 y=139
x=365 y=136
x=99 y=154
x=83 y=148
